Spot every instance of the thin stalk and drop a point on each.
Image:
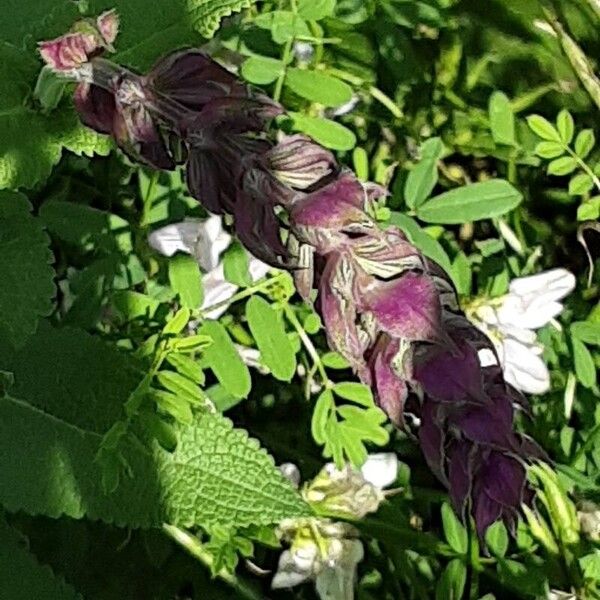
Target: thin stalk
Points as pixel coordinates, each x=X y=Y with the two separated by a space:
x=192 y=545
x=585 y=167
x=310 y=348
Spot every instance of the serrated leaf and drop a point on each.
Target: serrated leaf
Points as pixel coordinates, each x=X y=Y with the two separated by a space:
x=543 y=128
x=261 y=70
x=562 y=166
x=580 y=184
x=206 y=15
x=186 y=280
x=565 y=126
x=473 y=202
x=424 y=175
x=584 y=142
x=314 y=10
x=215 y=476
x=25 y=272
x=318 y=87
x=224 y=360
x=23 y=577
x=550 y=149
x=325 y=131
x=502 y=119
x=276 y=351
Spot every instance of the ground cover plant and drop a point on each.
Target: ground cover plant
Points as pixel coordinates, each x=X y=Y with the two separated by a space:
x=299 y=300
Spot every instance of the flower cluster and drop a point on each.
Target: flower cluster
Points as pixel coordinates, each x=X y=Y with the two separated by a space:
x=392 y=313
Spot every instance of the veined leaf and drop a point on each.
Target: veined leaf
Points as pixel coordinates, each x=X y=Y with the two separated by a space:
x=27 y=278
x=584 y=142
x=23 y=577
x=215 y=476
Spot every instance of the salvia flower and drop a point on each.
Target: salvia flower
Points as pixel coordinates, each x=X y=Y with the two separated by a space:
x=511 y=321
x=392 y=313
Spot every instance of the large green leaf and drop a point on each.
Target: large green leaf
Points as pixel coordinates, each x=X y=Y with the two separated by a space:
x=25 y=272
x=473 y=202
x=23 y=578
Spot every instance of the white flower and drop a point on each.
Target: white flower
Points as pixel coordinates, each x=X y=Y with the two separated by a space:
x=205 y=240
x=511 y=321
x=323 y=550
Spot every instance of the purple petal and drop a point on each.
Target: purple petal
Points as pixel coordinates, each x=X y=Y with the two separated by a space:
x=486 y=512
x=460 y=475
x=96 y=107
x=431 y=440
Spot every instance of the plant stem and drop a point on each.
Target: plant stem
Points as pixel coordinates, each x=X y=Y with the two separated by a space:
x=310 y=348
x=584 y=166
x=191 y=544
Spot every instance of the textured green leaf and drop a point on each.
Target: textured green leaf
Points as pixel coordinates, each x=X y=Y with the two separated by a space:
x=318 y=87
x=25 y=272
x=216 y=475
x=325 y=131
x=206 y=15
x=186 y=280
x=502 y=119
x=424 y=175
x=224 y=360
x=23 y=577
x=276 y=351
x=472 y=202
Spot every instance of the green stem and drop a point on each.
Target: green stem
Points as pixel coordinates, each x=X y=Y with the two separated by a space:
x=585 y=167
x=192 y=545
x=285 y=58
x=310 y=348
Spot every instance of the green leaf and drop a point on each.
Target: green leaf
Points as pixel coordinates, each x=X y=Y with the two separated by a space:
x=585 y=369
x=584 y=142
x=186 y=280
x=276 y=351
x=496 y=538
x=236 y=265
x=562 y=166
x=321 y=416
x=23 y=578
x=325 y=131
x=176 y=324
x=462 y=274
x=454 y=530
x=284 y=25
x=25 y=272
x=261 y=70
x=424 y=175
x=452 y=582
x=180 y=386
x=224 y=360
x=580 y=184
x=315 y=10
x=524 y=579
x=586 y=332
x=215 y=476
x=590 y=565
x=502 y=119
x=186 y=366
x=207 y=14
x=318 y=87
x=543 y=128
x=550 y=149
x=473 y=202
x=49 y=88
x=589 y=210
x=174 y=405
x=421 y=239
x=334 y=360
x=565 y=126
x=354 y=391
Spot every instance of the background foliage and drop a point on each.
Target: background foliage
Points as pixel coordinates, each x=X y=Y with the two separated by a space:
x=480 y=120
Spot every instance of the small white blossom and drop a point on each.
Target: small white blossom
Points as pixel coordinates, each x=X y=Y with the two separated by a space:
x=205 y=240
x=511 y=320
x=327 y=551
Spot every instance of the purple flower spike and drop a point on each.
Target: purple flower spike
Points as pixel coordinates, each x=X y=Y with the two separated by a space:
x=407 y=308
